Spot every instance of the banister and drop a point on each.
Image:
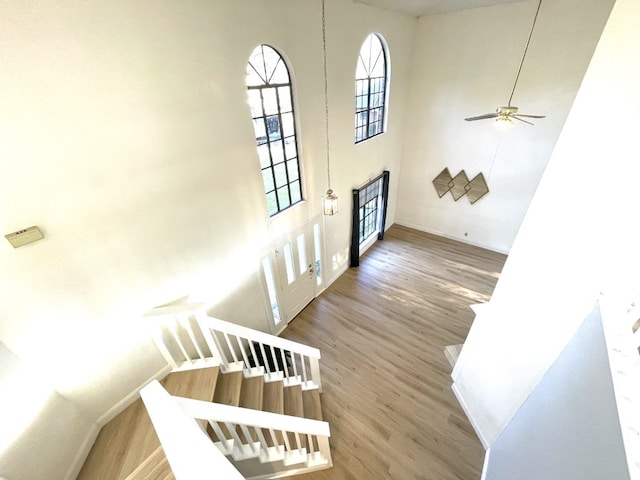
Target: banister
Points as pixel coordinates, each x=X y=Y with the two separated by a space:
x=255 y=418
x=258 y=336
x=189 y=451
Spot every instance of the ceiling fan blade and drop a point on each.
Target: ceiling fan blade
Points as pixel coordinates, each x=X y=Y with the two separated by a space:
x=528 y=116
x=481 y=117
x=516 y=118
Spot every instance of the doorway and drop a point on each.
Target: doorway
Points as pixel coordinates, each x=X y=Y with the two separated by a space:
x=293 y=273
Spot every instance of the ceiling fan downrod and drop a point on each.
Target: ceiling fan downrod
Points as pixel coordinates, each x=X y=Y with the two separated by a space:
x=524 y=55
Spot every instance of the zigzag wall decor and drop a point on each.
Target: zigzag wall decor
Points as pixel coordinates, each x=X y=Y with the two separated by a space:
x=460 y=185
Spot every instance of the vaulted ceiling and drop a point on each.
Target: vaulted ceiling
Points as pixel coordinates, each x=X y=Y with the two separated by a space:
x=419 y=8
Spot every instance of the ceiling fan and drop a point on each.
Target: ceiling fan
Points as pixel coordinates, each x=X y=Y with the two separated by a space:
x=506 y=115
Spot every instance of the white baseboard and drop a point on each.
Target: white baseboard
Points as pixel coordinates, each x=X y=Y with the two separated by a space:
x=472 y=420
x=485 y=465
x=451 y=237
x=89 y=440
x=82 y=453
x=131 y=397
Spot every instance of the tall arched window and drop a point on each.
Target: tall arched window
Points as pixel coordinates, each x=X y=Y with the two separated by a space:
x=371 y=88
x=270 y=99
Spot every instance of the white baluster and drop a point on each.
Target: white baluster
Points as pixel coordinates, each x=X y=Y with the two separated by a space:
x=176 y=337
x=231 y=350
x=184 y=320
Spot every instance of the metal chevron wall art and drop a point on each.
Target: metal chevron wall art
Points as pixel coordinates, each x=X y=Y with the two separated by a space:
x=460 y=185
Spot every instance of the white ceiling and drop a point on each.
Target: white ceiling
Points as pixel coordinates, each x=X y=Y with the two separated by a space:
x=418 y=8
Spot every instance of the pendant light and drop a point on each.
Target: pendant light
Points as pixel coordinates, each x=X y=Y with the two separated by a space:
x=330 y=199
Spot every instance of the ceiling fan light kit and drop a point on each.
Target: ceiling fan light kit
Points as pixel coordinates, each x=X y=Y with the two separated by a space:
x=504 y=116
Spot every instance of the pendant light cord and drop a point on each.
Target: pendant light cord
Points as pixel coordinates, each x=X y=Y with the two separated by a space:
x=525 y=52
x=326 y=93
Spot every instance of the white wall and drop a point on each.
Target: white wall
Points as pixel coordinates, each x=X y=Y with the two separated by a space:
x=465 y=65
x=125 y=135
x=579 y=236
x=34 y=417
x=568 y=427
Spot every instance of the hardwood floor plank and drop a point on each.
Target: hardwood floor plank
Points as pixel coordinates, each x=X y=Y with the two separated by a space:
x=382 y=329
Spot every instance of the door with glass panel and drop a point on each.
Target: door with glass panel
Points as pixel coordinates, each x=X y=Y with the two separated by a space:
x=294 y=274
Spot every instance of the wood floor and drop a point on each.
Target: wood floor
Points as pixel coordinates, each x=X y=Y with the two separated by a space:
x=381 y=329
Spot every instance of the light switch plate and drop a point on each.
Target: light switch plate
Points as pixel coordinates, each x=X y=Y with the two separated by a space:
x=24 y=237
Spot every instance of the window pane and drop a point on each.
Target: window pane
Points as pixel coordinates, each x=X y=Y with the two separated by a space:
x=284 y=94
x=258 y=128
x=283 y=197
x=267 y=178
x=271 y=289
x=255 y=103
x=280 y=75
x=263 y=154
x=292 y=169
x=270 y=101
x=302 y=254
x=316 y=245
x=253 y=78
x=288 y=262
x=296 y=192
x=361 y=70
x=273 y=125
x=361 y=118
x=280 y=174
x=377 y=61
x=277 y=155
x=272 y=204
x=290 y=147
x=287 y=124
x=271 y=60
x=361 y=103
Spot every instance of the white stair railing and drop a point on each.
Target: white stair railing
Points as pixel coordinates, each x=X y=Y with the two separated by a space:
x=621 y=323
x=188 y=449
x=258 y=352
x=188 y=338
x=240 y=432
x=244 y=433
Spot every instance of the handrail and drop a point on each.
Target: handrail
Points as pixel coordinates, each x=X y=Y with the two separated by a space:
x=245 y=433
x=189 y=451
x=254 y=418
x=258 y=336
x=278 y=357
x=189 y=338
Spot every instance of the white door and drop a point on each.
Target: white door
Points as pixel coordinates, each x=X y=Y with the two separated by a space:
x=297 y=272
x=293 y=274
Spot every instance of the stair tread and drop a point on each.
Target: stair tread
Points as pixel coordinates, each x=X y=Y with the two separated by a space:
x=252 y=392
x=198 y=384
x=228 y=389
x=311 y=404
x=273 y=397
x=126 y=442
x=155 y=467
x=293 y=401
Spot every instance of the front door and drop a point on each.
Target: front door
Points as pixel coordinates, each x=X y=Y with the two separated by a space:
x=297 y=271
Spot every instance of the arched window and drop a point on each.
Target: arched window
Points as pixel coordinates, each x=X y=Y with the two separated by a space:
x=371 y=88
x=270 y=99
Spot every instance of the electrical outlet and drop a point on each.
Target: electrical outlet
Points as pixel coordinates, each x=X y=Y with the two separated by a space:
x=24 y=237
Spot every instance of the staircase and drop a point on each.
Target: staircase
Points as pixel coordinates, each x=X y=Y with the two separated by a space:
x=256 y=396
